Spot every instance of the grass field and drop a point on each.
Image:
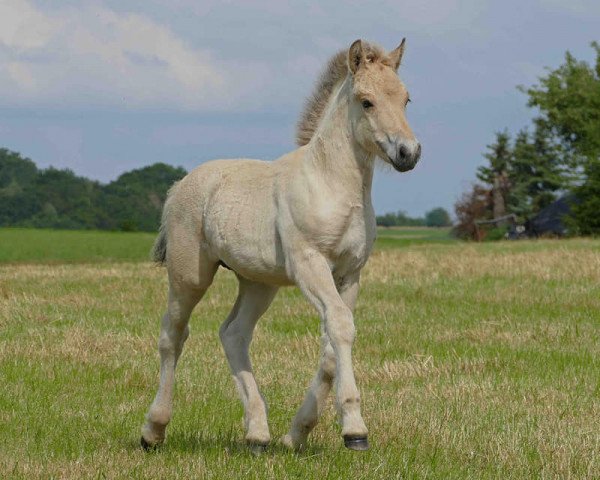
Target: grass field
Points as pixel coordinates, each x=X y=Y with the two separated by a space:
x=474 y=361
x=67 y=246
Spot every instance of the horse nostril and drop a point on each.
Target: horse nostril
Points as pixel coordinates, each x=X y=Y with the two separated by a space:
x=418 y=151
x=403 y=152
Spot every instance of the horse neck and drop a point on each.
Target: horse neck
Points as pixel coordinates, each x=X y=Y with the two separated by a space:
x=334 y=151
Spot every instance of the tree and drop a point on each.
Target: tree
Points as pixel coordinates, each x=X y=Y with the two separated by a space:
x=400 y=219
x=585 y=212
x=134 y=200
x=54 y=198
x=438 y=217
x=535 y=173
x=16 y=175
x=496 y=174
x=568 y=99
x=15 y=170
x=569 y=102
x=475 y=204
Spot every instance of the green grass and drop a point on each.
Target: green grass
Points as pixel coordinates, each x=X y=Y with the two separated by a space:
x=68 y=246
x=395 y=237
x=21 y=245
x=474 y=361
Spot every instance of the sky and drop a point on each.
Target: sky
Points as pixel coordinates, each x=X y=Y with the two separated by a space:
x=102 y=87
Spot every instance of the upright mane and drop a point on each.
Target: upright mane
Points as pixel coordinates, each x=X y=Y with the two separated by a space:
x=335 y=71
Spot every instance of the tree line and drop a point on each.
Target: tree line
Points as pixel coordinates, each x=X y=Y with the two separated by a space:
x=557 y=156
x=438 y=217
x=58 y=198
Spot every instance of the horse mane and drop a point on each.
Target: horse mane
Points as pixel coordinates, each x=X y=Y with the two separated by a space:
x=334 y=72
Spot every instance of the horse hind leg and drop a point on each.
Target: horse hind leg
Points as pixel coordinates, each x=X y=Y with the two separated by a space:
x=309 y=412
x=185 y=291
x=236 y=334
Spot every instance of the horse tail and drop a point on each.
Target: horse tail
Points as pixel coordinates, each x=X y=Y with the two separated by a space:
x=159 y=250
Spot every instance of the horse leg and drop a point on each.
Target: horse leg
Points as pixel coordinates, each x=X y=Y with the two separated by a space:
x=309 y=412
x=236 y=334
x=186 y=288
x=313 y=275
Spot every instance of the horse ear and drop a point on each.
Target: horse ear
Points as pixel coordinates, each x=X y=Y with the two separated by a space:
x=396 y=54
x=356 y=56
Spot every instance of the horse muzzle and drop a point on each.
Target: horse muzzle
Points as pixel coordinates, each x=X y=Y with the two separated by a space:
x=403 y=155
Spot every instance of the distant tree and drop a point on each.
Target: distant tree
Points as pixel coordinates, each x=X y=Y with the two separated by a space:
x=387 y=220
x=438 y=217
x=63 y=200
x=475 y=204
x=585 y=212
x=134 y=200
x=535 y=173
x=15 y=171
x=495 y=174
x=399 y=219
x=54 y=198
x=16 y=175
x=568 y=99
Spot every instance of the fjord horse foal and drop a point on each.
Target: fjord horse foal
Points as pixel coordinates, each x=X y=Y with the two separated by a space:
x=305 y=219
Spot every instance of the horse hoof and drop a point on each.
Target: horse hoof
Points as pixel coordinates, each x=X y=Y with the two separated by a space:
x=148 y=447
x=258 y=448
x=356 y=443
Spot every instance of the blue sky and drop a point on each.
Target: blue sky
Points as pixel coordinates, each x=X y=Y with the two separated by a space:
x=102 y=87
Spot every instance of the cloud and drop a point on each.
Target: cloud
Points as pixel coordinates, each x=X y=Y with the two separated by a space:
x=577 y=7
x=93 y=56
x=190 y=55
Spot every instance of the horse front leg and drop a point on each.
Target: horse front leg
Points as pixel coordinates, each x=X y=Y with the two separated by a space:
x=313 y=275
x=309 y=412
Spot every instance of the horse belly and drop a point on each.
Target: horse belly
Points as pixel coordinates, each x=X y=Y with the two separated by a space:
x=239 y=229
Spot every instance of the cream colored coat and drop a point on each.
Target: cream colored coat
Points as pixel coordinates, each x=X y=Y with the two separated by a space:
x=305 y=219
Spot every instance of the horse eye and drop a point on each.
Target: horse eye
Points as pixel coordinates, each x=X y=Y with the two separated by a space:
x=366 y=104
x=408 y=100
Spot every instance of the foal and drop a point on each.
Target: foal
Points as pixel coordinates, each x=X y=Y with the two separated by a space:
x=305 y=219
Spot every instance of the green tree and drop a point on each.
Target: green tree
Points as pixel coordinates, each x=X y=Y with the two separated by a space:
x=438 y=217
x=568 y=99
x=16 y=175
x=495 y=174
x=15 y=170
x=535 y=173
x=63 y=200
x=585 y=211
x=134 y=200
x=498 y=156
x=54 y=198
x=400 y=219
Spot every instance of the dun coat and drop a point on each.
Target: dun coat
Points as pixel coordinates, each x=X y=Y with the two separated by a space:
x=305 y=219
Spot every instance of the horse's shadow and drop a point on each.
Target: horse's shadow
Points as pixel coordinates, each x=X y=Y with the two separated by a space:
x=197 y=443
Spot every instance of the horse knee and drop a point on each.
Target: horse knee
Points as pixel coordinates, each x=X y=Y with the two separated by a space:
x=340 y=325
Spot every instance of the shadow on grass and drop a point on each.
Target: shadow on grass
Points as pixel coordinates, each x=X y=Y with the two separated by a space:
x=198 y=443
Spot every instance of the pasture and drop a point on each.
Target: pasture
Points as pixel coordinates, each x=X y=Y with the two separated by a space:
x=474 y=361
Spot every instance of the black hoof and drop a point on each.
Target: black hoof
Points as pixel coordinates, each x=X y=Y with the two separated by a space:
x=147 y=446
x=356 y=443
